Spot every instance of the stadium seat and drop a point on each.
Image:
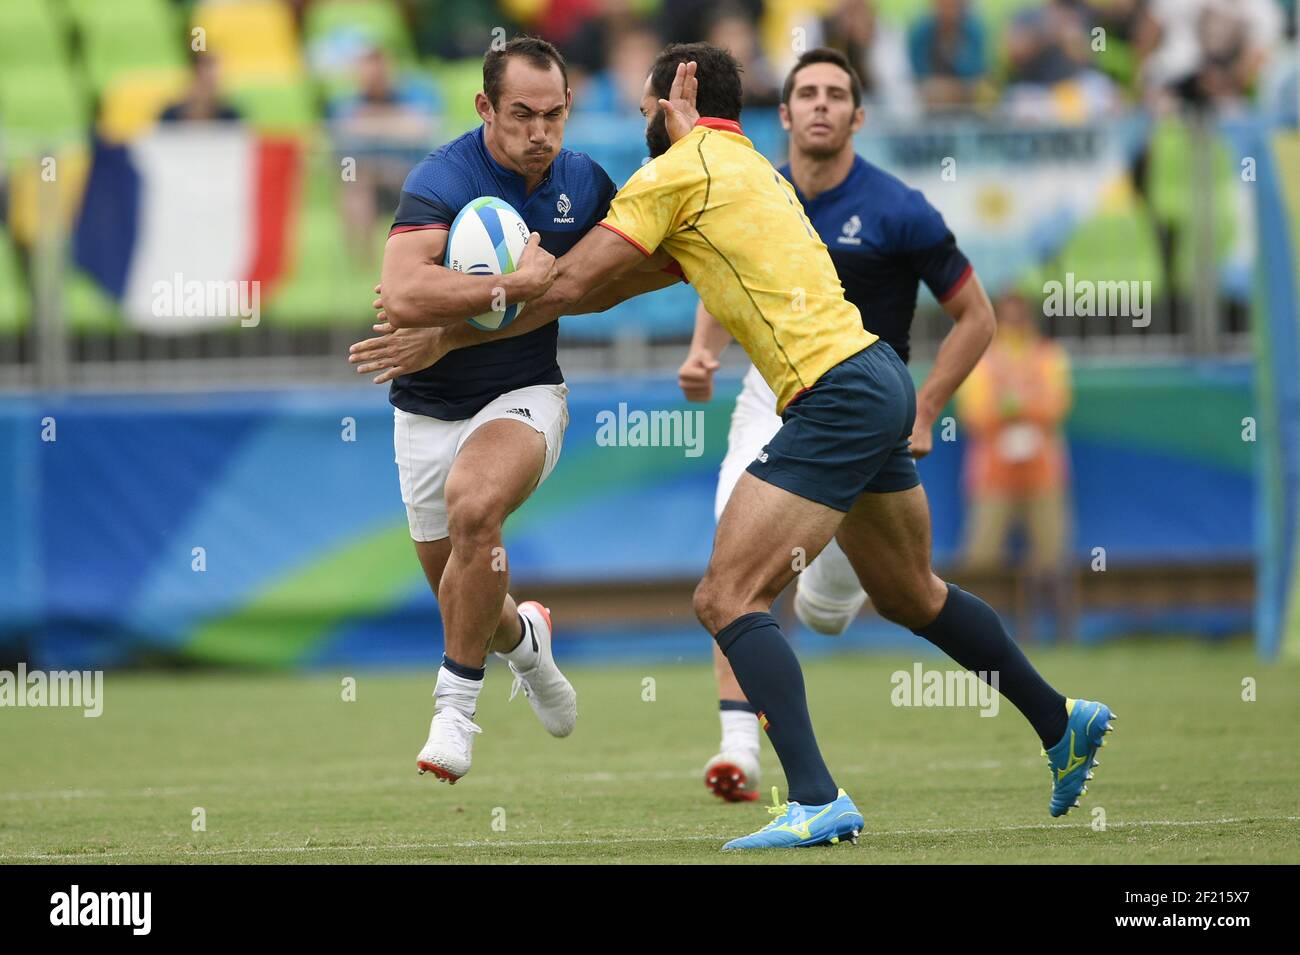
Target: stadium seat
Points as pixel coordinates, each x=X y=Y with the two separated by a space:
x=339 y=29
x=458 y=81
x=255 y=40
x=86 y=307
x=15 y=304
x=40 y=110
x=132 y=101
x=281 y=107
x=1110 y=245
x=1173 y=197
x=29 y=37
x=35 y=202
x=127 y=35
x=324 y=287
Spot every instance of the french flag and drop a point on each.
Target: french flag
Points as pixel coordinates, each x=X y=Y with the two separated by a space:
x=208 y=203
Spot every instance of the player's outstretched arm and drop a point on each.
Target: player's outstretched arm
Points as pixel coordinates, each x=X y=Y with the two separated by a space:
x=962 y=348
x=397 y=351
x=634 y=283
x=419 y=291
x=602 y=270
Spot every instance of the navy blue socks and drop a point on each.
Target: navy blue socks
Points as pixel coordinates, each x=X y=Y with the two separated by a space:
x=969 y=631
x=769 y=673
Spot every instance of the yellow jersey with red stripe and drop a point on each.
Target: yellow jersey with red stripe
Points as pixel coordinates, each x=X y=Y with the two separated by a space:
x=739 y=233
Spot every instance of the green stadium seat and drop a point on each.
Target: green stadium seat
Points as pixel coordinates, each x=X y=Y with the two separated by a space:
x=379 y=21
x=1173 y=198
x=1110 y=246
x=128 y=35
x=87 y=307
x=30 y=37
x=276 y=107
x=15 y=305
x=81 y=10
x=458 y=81
x=325 y=286
x=40 y=110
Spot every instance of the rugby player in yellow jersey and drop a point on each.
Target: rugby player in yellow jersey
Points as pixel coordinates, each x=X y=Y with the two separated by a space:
x=838 y=467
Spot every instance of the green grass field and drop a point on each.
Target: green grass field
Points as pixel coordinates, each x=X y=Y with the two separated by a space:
x=286 y=771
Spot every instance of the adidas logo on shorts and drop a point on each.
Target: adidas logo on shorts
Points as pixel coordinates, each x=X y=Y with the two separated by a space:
x=522 y=412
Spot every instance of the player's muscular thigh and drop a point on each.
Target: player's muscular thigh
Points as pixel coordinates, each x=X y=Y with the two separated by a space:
x=886 y=538
x=764 y=537
x=496 y=470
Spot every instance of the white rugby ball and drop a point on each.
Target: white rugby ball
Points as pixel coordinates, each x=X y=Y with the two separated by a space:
x=487 y=238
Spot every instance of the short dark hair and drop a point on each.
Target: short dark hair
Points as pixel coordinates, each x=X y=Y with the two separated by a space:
x=717 y=71
x=535 y=50
x=824 y=54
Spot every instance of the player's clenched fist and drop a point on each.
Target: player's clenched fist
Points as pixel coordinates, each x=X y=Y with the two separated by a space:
x=696 y=376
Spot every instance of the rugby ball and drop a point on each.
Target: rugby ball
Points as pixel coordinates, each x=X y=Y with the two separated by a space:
x=487 y=238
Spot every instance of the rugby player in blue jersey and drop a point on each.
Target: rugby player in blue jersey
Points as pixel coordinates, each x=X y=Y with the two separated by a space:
x=477 y=431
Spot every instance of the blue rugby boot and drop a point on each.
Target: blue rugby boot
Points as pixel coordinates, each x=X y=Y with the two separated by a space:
x=798 y=825
x=1071 y=761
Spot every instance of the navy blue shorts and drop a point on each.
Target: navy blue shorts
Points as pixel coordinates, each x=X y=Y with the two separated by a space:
x=847 y=434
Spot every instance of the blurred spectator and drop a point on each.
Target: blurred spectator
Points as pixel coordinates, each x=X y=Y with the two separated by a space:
x=877 y=51
x=734 y=30
x=1050 y=65
x=1129 y=33
x=589 y=49
x=1016 y=470
x=680 y=21
x=1280 y=89
x=561 y=20
x=1047 y=44
x=947 y=50
x=202 y=102
x=1211 y=52
x=386 y=126
x=456 y=29
x=617 y=89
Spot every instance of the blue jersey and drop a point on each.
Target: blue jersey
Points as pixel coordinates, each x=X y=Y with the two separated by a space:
x=885 y=239
x=572 y=198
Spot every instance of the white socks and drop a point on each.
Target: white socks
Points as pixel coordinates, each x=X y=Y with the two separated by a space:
x=739 y=731
x=456 y=692
x=461 y=693
x=526 y=655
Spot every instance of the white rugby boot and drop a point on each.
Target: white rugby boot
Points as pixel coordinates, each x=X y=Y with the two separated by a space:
x=551 y=695
x=446 y=753
x=733 y=776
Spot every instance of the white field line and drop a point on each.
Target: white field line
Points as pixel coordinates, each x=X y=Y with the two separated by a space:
x=657 y=775
x=181 y=854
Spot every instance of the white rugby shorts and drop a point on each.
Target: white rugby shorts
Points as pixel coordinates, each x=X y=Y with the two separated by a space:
x=426 y=448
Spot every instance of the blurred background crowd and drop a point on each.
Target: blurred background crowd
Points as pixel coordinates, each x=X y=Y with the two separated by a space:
x=371 y=85
x=1145 y=142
